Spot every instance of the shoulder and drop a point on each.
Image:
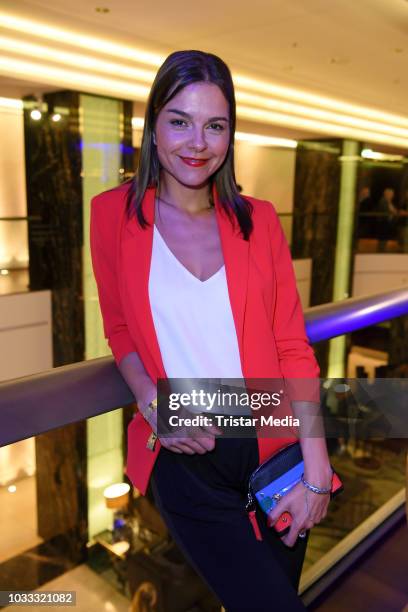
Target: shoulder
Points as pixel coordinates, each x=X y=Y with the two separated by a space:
x=263 y=211
x=112 y=201
x=107 y=211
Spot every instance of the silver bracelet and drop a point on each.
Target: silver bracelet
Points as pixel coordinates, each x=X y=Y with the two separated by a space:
x=318 y=490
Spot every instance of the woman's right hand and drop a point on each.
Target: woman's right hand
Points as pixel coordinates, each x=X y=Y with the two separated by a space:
x=188 y=440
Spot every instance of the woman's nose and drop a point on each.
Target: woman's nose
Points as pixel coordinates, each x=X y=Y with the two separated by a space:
x=198 y=141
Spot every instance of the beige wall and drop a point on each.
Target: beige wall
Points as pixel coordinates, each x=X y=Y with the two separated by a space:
x=26 y=331
x=13 y=235
x=266 y=173
x=376 y=272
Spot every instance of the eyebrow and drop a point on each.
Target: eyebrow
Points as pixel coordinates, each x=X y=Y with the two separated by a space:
x=184 y=114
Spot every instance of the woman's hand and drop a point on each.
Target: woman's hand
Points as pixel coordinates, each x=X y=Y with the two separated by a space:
x=188 y=440
x=305 y=507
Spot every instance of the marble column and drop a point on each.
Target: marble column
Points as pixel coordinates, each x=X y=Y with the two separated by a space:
x=54 y=193
x=316 y=204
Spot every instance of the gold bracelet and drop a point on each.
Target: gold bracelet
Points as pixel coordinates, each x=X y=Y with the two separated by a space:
x=150 y=408
x=152 y=405
x=151 y=442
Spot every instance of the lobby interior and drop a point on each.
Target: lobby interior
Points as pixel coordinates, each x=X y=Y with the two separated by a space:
x=322 y=132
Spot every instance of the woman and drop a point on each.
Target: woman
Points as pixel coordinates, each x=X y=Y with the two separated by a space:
x=196 y=281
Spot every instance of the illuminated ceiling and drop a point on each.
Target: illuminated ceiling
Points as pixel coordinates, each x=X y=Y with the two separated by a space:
x=312 y=67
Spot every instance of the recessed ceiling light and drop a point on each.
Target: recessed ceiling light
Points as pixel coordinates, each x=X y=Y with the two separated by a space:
x=339 y=60
x=102 y=9
x=294 y=45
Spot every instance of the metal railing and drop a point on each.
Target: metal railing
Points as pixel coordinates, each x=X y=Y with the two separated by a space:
x=35 y=404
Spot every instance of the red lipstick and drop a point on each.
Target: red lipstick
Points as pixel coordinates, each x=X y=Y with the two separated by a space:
x=194 y=162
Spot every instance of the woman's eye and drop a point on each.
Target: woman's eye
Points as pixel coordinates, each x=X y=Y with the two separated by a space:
x=178 y=122
x=216 y=126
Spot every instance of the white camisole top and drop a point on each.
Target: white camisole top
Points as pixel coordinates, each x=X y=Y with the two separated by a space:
x=192 y=318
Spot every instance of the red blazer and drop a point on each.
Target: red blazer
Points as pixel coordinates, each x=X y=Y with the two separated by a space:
x=262 y=289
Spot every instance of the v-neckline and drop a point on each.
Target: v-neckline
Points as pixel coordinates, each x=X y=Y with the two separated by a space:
x=182 y=266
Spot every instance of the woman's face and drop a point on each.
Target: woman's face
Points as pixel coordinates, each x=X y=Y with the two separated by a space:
x=192 y=133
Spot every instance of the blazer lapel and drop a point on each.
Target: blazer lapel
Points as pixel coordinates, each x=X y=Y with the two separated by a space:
x=137 y=251
x=236 y=258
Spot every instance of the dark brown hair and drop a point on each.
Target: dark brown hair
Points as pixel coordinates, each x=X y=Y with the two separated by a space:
x=179 y=70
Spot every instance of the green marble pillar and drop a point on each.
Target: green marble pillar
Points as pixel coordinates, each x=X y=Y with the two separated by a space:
x=102 y=131
x=344 y=247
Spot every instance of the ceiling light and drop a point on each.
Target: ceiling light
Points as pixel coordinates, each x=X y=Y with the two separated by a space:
x=265 y=116
x=265 y=141
x=72 y=59
x=12 y=489
x=71 y=78
x=64 y=35
x=370 y=154
x=11 y=103
x=317 y=113
x=35 y=114
x=284 y=92
x=56 y=117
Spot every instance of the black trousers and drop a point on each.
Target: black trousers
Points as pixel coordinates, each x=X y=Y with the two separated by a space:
x=202 y=501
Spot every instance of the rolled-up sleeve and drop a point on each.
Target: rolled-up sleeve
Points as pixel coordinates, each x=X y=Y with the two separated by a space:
x=103 y=242
x=296 y=356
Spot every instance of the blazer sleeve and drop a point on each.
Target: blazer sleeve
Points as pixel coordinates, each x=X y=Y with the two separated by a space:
x=103 y=241
x=296 y=356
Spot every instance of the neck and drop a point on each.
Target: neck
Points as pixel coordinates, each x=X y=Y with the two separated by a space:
x=190 y=199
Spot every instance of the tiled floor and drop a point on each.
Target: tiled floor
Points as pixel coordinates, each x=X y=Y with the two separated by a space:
x=93 y=593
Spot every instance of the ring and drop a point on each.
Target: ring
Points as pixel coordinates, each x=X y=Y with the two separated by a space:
x=302 y=534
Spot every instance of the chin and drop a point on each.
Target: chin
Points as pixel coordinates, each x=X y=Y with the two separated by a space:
x=195 y=184
x=192 y=182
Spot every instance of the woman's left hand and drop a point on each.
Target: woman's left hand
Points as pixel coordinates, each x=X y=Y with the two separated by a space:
x=305 y=507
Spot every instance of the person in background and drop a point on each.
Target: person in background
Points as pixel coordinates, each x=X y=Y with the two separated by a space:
x=403 y=222
x=386 y=227
x=366 y=224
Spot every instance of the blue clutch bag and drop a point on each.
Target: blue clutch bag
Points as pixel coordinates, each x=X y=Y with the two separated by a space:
x=273 y=479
